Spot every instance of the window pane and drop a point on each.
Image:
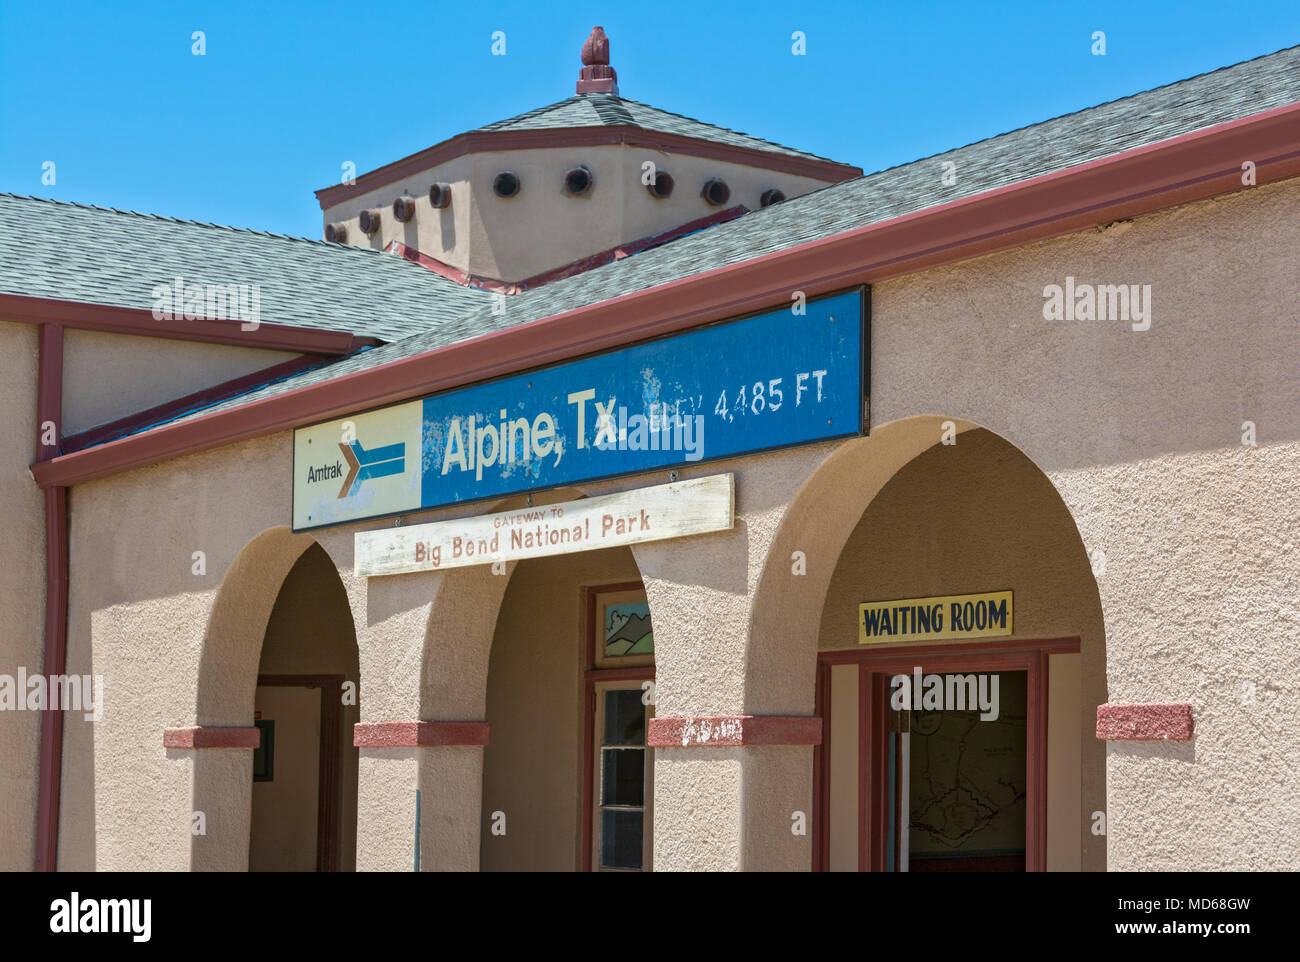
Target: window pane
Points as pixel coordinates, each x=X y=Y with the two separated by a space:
x=623 y=776
x=624 y=718
x=620 y=838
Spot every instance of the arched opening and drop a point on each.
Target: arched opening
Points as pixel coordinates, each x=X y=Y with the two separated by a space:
x=976 y=776
x=889 y=522
x=281 y=612
x=566 y=776
x=304 y=802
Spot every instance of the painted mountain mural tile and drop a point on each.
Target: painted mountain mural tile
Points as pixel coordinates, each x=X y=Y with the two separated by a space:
x=627 y=629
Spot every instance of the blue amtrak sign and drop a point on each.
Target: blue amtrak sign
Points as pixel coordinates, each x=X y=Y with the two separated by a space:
x=785 y=377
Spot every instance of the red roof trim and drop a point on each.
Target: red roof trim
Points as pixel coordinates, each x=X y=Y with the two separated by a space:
x=1194 y=166
x=139 y=321
x=481 y=141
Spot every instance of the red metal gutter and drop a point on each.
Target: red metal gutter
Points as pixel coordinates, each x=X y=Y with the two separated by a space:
x=489 y=140
x=49 y=410
x=1190 y=167
x=139 y=321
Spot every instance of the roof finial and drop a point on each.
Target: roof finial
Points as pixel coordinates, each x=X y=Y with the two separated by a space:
x=597 y=76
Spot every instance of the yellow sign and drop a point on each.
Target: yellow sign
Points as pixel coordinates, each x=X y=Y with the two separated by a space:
x=986 y=615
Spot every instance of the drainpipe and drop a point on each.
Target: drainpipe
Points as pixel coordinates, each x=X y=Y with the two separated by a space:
x=49 y=411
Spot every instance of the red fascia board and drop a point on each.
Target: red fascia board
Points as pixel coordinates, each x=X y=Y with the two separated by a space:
x=138 y=321
x=1193 y=166
x=485 y=141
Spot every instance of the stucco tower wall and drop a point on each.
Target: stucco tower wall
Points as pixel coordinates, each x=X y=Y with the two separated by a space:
x=543 y=227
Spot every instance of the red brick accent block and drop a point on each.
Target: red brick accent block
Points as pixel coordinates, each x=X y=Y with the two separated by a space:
x=411 y=734
x=1144 y=723
x=730 y=731
x=211 y=737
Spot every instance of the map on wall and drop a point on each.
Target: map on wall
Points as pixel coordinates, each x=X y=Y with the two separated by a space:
x=627 y=629
x=968 y=778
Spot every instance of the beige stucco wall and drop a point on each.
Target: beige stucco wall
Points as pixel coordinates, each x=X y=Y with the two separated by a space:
x=108 y=376
x=138 y=615
x=543 y=227
x=532 y=770
x=1141 y=434
x=1138 y=432
x=22 y=587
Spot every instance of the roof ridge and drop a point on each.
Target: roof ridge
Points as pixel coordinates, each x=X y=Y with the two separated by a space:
x=729 y=130
x=526 y=115
x=610 y=108
x=191 y=223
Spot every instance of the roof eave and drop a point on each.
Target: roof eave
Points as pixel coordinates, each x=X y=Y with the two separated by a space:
x=113 y=319
x=483 y=141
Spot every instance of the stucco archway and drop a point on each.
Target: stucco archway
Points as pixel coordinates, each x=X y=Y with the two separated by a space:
x=232 y=647
x=901 y=514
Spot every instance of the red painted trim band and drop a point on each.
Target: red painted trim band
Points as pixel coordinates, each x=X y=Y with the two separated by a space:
x=1145 y=723
x=138 y=321
x=422 y=734
x=496 y=140
x=732 y=731
x=212 y=737
x=1194 y=166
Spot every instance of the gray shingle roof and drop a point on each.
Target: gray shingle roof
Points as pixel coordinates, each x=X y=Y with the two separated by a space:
x=609 y=110
x=1145 y=118
x=98 y=255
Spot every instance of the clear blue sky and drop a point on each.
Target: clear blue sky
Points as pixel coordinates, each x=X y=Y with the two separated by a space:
x=288 y=91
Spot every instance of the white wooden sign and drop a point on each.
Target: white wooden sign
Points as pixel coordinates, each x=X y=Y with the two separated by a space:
x=672 y=510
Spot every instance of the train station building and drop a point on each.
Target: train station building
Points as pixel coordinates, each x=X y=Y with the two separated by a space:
x=609 y=490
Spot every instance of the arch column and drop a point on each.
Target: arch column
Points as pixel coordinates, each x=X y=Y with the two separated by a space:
x=227 y=682
x=730 y=772
x=737 y=617
x=424 y=640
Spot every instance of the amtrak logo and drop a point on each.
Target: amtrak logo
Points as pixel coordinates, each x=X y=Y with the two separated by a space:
x=366 y=465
